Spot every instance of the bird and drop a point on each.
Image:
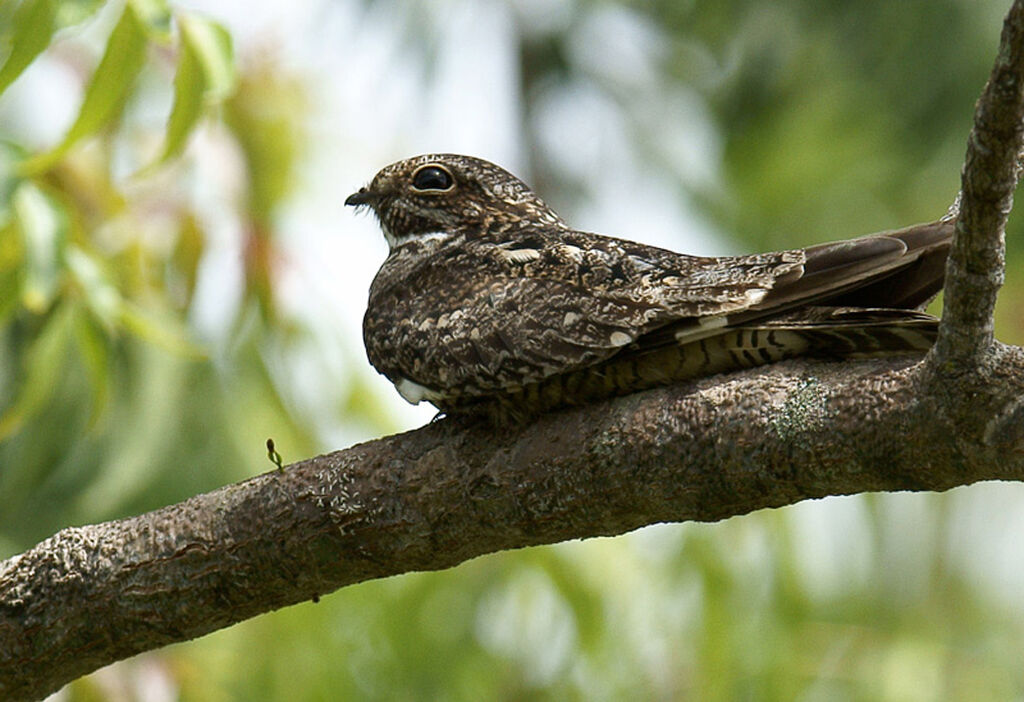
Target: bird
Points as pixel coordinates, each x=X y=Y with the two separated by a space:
x=490 y=305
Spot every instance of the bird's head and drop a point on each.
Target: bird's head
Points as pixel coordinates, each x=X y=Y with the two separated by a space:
x=441 y=194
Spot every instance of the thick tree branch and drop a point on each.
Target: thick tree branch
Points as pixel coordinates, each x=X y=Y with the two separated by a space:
x=437 y=496
x=450 y=491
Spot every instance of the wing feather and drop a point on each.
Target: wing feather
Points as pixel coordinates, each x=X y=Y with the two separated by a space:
x=479 y=317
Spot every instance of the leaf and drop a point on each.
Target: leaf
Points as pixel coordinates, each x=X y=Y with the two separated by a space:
x=71 y=12
x=11 y=246
x=27 y=28
x=155 y=17
x=101 y=295
x=10 y=155
x=205 y=76
x=33 y=25
x=267 y=117
x=166 y=333
x=8 y=294
x=107 y=92
x=42 y=370
x=112 y=310
x=94 y=346
x=187 y=253
x=211 y=45
x=43 y=225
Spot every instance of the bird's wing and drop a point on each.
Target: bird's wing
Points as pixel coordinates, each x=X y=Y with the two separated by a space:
x=901 y=269
x=516 y=331
x=616 y=293
x=484 y=318
x=516 y=314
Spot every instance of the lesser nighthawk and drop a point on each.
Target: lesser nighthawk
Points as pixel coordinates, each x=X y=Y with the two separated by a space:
x=490 y=303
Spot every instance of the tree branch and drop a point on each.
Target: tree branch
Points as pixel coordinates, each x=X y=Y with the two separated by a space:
x=450 y=491
x=434 y=497
x=974 y=272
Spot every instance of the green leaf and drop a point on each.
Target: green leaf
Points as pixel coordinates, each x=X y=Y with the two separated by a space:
x=188 y=252
x=94 y=346
x=267 y=117
x=107 y=92
x=42 y=370
x=8 y=294
x=27 y=28
x=210 y=42
x=166 y=332
x=33 y=25
x=10 y=155
x=111 y=310
x=70 y=12
x=101 y=295
x=155 y=17
x=11 y=246
x=43 y=225
x=205 y=76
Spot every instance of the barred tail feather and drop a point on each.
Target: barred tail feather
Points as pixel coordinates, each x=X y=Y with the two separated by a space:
x=832 y=333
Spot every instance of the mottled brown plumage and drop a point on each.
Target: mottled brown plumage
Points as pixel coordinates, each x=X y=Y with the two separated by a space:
x=489 y=302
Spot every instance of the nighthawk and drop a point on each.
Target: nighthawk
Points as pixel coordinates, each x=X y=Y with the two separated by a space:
x=489 y=303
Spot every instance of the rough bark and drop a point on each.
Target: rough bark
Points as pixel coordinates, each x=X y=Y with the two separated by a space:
x=434 y=497
x=991 y=168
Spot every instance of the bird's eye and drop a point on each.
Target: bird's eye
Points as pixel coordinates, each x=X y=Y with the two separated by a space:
x=432 y=178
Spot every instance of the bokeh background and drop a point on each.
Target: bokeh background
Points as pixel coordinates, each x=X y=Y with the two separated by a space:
x=179 y=280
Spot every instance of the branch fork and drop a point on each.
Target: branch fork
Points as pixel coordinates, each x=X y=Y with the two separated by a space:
x=434 y=497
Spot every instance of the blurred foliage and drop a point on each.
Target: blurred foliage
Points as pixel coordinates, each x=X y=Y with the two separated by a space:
x=109 y=402
x=823 y=119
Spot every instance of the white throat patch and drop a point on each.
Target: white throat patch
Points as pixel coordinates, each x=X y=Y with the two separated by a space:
x=426 y=239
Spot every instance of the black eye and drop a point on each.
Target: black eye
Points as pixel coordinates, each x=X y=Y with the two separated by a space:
x=432 y=178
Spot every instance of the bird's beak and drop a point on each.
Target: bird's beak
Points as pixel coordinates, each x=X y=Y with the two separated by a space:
x=365 y=196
